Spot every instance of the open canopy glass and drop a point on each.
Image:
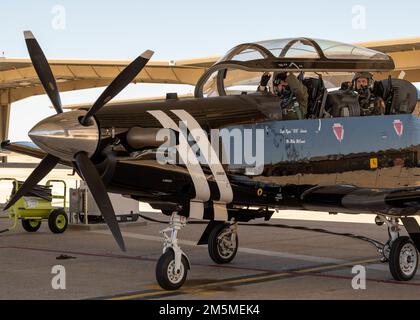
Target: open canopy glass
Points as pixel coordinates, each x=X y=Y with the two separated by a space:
x=303 y=48
x=244 y=64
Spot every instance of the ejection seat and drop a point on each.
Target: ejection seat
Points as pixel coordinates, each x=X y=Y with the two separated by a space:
x=316 y=96
x=400 y=95
x=343 y=104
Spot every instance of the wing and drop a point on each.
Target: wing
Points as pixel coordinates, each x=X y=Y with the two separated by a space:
x=28 y=149
x=353 y=200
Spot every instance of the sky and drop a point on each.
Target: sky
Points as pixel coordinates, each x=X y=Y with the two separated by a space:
x=180 y=29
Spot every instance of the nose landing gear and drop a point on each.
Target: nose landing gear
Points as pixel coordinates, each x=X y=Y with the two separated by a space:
x=172 y=267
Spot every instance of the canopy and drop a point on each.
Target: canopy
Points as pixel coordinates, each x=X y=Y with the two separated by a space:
x=295 y=55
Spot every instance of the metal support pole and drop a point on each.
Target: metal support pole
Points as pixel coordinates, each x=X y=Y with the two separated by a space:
x=4 y=118
x=86 y=208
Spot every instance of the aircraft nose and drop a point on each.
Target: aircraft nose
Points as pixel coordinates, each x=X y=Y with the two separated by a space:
x=63 y=135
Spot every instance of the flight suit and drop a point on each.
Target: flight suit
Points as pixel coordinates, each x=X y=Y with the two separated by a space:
x=372 y=106
x=296 y=108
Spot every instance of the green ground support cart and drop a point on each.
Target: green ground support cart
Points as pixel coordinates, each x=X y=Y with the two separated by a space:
x=37 y=206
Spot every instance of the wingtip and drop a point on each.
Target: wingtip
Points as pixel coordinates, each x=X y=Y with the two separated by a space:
x=28 y=35
x=147 y=54
x=5 y=144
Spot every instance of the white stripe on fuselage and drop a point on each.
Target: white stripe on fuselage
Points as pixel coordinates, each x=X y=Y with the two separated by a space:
x=223 y=183
x=198 y=177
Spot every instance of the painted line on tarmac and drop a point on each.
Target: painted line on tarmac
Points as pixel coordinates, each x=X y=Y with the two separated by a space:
x=153 y=260
x=234 y=282
x=267 y=253
x=158 y=293
x=256 y=279
x=278 y=254
x=137 y=258
x=237 y=281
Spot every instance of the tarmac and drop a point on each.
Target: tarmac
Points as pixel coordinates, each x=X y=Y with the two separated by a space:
x=272 y=264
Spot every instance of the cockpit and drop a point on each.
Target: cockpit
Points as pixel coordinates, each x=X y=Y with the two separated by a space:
x=323 y=66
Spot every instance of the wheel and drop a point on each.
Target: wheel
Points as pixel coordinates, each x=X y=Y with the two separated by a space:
x=222 y=248
x=166 y=276
x=31 y=225
x=57 y=221
x=403 y=259
x=386 y=251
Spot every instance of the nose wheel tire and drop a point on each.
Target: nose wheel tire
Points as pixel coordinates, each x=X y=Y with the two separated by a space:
x=223 y=244
x=31 y=225
x=403 y=259
x=166 y=275
x=57 y=221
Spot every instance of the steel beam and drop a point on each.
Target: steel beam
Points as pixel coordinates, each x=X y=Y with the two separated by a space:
x=5 y=107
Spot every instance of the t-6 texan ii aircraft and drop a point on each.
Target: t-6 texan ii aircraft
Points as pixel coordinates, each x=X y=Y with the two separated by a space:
x=228 y=155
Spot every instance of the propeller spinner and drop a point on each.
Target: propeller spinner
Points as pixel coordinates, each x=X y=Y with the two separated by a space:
x=74 y=136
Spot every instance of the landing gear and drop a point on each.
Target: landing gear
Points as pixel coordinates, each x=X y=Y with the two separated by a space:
x=223 y=243
x=393 y=233
x=400 y=252
x=403 y=260
x=167 y=275
x=172 y=267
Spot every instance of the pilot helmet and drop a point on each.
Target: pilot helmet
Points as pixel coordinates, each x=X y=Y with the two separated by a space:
x=278 y=78
x=366 y=75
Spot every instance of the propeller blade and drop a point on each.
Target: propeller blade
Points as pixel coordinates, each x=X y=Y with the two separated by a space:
x=119 y=83
x=97 y=187
x=43 y=70
x=39 y=173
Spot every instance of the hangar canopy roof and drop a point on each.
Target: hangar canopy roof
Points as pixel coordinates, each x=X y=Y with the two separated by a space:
x=18 y=79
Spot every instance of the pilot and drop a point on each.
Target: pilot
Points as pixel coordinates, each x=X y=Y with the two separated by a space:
x=370 y=104
x=294 y=94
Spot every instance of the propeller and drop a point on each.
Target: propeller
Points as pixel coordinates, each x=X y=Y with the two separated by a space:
x=52 y=133
x=43 y=70
x=119 y=83
x=97 y=187
x=37 y=175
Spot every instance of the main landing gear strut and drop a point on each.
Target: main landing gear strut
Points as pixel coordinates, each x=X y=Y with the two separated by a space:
x=400 y=252
x=223 y=243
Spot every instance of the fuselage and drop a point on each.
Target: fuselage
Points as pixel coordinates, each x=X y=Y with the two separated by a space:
x=373 y=152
